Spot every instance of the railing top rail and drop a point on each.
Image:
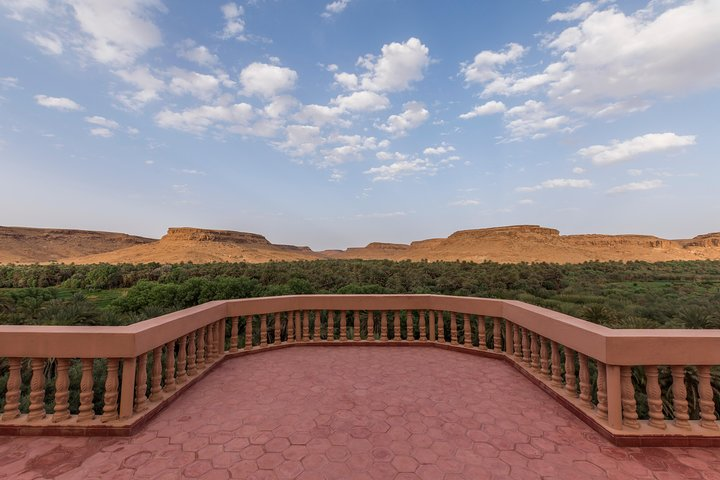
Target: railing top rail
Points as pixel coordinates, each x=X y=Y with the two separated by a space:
x=618 y=347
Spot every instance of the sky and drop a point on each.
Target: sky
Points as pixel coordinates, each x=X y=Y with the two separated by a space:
x=337 y=123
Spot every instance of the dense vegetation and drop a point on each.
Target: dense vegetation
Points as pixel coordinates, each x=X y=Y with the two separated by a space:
x=619 y=295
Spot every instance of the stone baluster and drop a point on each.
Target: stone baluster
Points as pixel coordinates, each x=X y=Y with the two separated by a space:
x=555 y=365
x=170 y=367
x=453 y=329
x=248 y=331
x=234 y=334
x=467 y=339
x=110 y=399
x=629 y=406
x=211 y=342
x=482 y=335
x=421 y=325
x=156 y=380
x=396 y=326
x=263 y=330
x=585 y=385
x=62 y=384
x=602 y=406
x=141 y=384
x=86 y=412
x=497 y=335
x=200 y=350
x=192 y=355
x=707 y=405
x=356 y=326
x=182 y=361
x=517 y=345
x=306 y=325
x=437 y=318
x=316 y=325
x=12 y=395
x=370 y=325
x=291 y=327
x=383 y=326
x=330 y=326
x=570 y=379
x=526 y=346
x=657 y=418
x=409 y=326
x=544 y=357
x=37 y=390
x=298 y=326
x=277 y=323
x=680 y=403
x=534 y=351
x=509 y=348
x=343 y=325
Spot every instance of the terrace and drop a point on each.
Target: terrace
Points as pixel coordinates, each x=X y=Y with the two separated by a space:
x=250 y=389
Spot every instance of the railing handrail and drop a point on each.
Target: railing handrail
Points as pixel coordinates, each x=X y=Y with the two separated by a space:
x=612 y=346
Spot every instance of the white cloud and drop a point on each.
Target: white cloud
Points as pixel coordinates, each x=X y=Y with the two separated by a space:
x=557 y=183
x=119 y=31
x=465 y=203
x=578 y=170
x=199 y=54
x=181 y=189
x=622 y=151
x=301 y=140
x=576 y=12
x=526 y=201
x=381 y=215
x=637 y=186
x=102 y=122
x=332 y=68
x=485 y=66
x=387 y=156
x=488 y=108
x=60 y=103
x=18 y=8
x=362 y=101
x=398 y=66
x=414 y=115
x=320 y=115
x=148 y=87
x=532 y=119
x=189 y=171
x=634 y=172
x=401 y=169
x=439 y=150
x=6 y=83
x=266 y=80
x=348 y=148
x=198 y=85
x=101 y=132
x=49 y=43
x=333 y=8
x=234 y=23
x=198 y=120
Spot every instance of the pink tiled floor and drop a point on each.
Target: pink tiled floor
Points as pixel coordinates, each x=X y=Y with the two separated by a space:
x=357 y=413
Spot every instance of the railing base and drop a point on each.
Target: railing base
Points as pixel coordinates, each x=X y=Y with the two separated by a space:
x=132 y=425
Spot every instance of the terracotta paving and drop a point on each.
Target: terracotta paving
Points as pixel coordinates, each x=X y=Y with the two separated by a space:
x=357 y=413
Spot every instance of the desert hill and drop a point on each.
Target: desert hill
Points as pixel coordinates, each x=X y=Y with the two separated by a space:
x=512 y=244
x=37 y=245
x=202 y=246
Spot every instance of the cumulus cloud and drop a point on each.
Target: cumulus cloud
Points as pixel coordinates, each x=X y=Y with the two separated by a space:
x=578 y=170
x=301 y=140
x=381 y=215
x=414 y=115
x=266 y=80
x=488 y=108
x=234 y=23
x=320 y=115
x=576 y=12
x=7 y=83
x=532 y=119
x=345 y=148
x=400 y=169
x=199 y=54
x=618 y=151
x=19 y=8
x=465 y=203
x=637 y=186
x=147 y=87
x=101 y=132
x=486 y=64
x=102 y=122
x=48 y=43
x=199 y=85
x=439 y=150
x=394 y=70
x=120 y=31
x=557 y=183
x=333 y=8
x=58 y=103
x=198 y=120
x=363 y=101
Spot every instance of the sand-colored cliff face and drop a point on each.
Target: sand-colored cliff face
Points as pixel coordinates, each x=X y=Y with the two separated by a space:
x=202 y=246
x=523 y=243
x=31 y=245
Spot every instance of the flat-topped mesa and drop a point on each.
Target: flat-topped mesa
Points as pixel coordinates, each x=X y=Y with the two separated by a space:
x=649 y=241
x=510 y=230
x=386 y=246
x=183 y=234
x=707 y=240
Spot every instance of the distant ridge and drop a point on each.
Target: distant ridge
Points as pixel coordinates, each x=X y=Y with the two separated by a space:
x=508 y=244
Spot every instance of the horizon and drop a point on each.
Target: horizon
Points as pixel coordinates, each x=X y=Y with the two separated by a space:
x=334 y=124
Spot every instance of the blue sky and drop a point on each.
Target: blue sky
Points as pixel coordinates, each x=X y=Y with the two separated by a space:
x=332 y=124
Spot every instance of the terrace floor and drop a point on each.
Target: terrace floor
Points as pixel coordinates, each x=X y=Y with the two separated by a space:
x=356 y=413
